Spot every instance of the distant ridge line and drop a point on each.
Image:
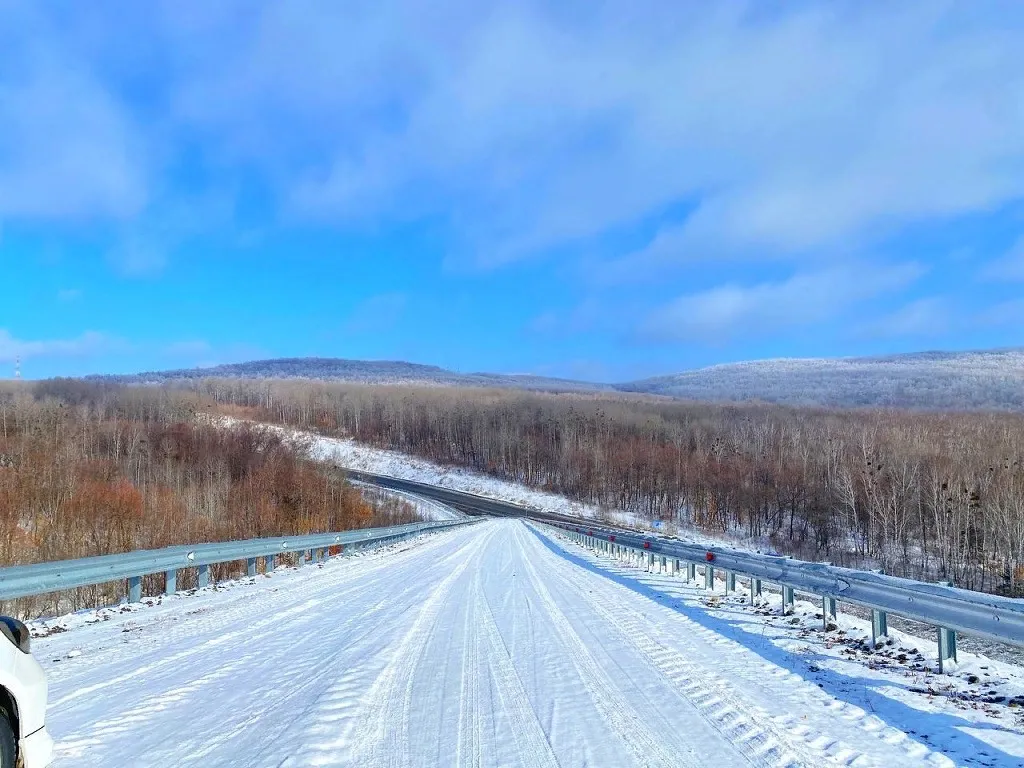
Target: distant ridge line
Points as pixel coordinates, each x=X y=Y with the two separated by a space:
x=937 y=380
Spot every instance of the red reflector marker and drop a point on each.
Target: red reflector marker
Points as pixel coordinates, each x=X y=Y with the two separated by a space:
x=710 y=556
x=647 y=545
x=611 y=538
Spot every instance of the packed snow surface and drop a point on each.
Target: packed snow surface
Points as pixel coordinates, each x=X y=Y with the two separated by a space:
x=492 y=644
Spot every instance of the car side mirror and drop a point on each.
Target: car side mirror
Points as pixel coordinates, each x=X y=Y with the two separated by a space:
x=17 y=633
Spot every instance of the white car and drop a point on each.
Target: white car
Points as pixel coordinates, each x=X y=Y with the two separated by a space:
x=24 y=741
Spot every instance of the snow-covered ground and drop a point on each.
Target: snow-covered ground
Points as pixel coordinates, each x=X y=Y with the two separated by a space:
x=975 y=715
x=490 y=644
x=354 y=455
x=350 y=454
x=427 y=509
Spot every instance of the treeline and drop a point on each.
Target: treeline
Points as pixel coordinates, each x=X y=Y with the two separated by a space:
x=91 y=469
x=923 y=495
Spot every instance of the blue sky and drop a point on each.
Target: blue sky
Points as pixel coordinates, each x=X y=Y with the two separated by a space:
x=602 y=191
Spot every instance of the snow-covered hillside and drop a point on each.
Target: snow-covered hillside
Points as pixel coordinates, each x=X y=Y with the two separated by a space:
x=946 y=380
x=942 y=380
x=350 y=454
x=496 y=644
x=359 y=372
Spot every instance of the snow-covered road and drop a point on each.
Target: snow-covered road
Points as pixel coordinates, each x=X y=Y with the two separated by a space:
x=480 y=646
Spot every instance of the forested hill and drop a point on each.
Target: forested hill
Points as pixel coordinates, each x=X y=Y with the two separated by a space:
x=930 y=380
x=359 y=371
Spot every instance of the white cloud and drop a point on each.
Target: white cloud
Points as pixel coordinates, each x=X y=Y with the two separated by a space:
x=1010 y=266
x=1006 y=314
x=930 y=316
x=88 y=344
x=587 y=316
x=199 y=353
x=799 y=129
x=793 y=129
x=68 y=146
x=721 y=314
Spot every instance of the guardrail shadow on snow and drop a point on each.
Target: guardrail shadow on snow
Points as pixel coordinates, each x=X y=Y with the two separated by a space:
x=944 y=731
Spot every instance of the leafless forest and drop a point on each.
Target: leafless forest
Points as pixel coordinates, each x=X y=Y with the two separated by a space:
x=925 y=495
x=96 y=468
x=91 y=469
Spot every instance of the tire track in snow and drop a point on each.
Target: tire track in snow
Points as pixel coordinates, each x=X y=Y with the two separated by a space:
x=227 y=619
x=647 y=747
x=293 y=637
x=531 y=740
x=469 y=751
x=337 y=711
x=720 y=698
x=381 y=733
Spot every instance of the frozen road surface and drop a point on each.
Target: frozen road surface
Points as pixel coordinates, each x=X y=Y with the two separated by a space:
x=488 y=645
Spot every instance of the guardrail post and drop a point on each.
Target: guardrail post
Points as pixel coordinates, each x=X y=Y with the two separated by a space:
x=663 y=565
x=135 y=589
x=675 y=566
x=250 y=566
x=269 y=562
x=300 y=558
x=730 y=582
x=755 y=589
x=879 y=626
x=691 y=572
x=947 y=647
x=788 y=600
x=204 y=576
x=829 y=610
x=170 y=582
x=709 y=577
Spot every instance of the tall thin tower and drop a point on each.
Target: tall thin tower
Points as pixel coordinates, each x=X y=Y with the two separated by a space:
x=17 y=369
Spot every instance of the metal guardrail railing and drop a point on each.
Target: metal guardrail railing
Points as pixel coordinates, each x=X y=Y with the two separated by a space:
x=947 y=608
x=41 y=578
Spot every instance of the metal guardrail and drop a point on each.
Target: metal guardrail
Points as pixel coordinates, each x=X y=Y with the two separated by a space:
x=41 y=578
x=947 y=608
